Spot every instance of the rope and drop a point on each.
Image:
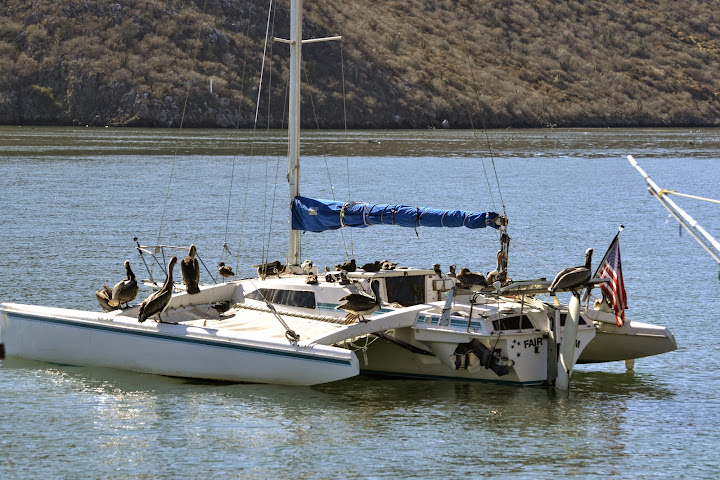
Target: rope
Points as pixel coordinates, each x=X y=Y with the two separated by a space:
x=321 y=318
x=694 y=197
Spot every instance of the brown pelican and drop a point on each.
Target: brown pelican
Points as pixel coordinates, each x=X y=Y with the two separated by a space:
x=103 y=297
x=573 y=277
x=125 y=290
x=350 y=266
x=190 y=271
x=225 y=270
x=438 y=270
x=156 y=303
x=221 y=307
x=452 y=273
x=311 y=279
x=471 y=280
x=270 y=268
x=360 y=304
x=372 y=267
x=495 y=275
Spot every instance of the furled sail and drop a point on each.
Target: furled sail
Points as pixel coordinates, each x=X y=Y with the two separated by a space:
x=315 y=215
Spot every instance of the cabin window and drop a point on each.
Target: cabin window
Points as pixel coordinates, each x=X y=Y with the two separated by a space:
x=292 y=298
x=563 y=317
x=512 y=323
x=407 y=291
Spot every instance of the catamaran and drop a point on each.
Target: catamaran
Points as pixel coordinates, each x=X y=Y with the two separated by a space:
x=294 y=325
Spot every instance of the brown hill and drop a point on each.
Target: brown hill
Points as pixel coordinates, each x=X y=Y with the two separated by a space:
x=402 y=63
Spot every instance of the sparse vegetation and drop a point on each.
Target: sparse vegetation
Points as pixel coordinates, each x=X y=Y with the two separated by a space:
x=407 y=63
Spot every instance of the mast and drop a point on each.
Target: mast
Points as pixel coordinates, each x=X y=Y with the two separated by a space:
x=294 y=124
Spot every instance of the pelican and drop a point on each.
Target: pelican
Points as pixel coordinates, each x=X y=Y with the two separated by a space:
x=270 y=268
x=438 y=270
x=125 y=290
x=156 y=303
x=360 y=304
x=452 y=273
x=190 y=271
x=372 y=267
x=225 y=270
x=311 y=279
x=350 y=266
x=471 y=280
x=221 y=307
x=103 y=297
x=495 y=275
x=307 y=267
x=573 y=277
x=388 y=265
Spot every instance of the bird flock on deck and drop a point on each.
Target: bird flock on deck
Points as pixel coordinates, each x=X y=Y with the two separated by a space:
x=126 y=290
x=357 y=304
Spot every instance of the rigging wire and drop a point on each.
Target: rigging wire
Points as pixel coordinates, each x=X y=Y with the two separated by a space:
x=182 y=122
x=482 y=119
x=226 y=249
x=347 y=154
x=254 y=133
x=265 y=253
x=277 y=171
x=324 y=154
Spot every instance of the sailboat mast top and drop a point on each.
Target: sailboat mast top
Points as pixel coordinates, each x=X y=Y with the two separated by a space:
x=294 y=124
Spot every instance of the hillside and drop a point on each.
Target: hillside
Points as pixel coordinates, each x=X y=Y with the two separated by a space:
x=405 y=63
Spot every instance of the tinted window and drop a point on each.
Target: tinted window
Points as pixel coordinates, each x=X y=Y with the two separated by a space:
x=292 y=298
x=407 y=291
x=563 y=317
x=512 y=323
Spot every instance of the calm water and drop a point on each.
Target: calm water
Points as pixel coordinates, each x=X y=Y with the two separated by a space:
x=72 y=200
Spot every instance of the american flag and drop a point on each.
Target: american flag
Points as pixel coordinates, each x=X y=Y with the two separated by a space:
x=614 y=290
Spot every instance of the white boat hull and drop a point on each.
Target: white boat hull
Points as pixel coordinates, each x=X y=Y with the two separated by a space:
x=76 y=337
x=630 y=341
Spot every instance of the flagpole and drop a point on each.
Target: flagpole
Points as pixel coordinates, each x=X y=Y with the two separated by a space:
x=620 y=229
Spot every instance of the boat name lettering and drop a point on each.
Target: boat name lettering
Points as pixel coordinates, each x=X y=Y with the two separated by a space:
x=533 y=342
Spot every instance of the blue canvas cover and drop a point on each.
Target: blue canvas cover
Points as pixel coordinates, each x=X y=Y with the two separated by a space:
x=315 y=215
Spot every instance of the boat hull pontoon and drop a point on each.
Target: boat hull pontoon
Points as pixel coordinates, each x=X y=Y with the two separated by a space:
x=81 y=338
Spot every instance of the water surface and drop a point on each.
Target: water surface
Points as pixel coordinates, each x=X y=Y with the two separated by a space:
x=73 y=199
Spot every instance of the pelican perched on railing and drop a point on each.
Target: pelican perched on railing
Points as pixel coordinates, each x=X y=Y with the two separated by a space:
x=190 y=271
x=572 y=277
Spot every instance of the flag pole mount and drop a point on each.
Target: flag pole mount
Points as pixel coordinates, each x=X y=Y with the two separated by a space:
x=567 y=346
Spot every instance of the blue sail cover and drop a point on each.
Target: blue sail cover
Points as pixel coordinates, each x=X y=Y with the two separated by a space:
x=315 y=215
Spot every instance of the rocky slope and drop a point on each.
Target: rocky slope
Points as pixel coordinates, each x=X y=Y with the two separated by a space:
x=401 y=64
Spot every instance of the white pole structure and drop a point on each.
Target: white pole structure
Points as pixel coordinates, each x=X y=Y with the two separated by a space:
x=294 y=123
x=567 y=347
x=707 y=241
